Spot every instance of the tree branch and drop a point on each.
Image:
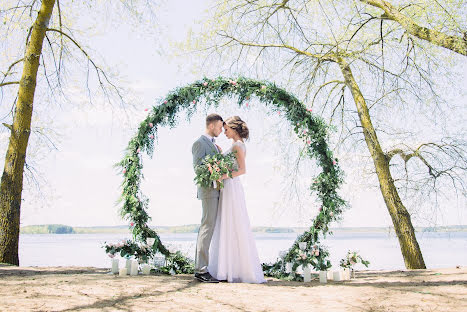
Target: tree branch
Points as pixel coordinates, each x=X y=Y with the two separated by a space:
x=99 y=71
x=454 y=151
x=453 y=43
x=10 y=68
x=8 y=126
x=323 y=57
x=8 y=83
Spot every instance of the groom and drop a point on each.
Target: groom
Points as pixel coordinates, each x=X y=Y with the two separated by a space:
x=209 y=196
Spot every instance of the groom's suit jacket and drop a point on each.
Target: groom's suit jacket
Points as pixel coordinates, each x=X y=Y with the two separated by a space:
x=200 y=149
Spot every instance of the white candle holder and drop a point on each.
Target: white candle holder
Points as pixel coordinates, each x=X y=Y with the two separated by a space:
x=128 y=265
x=159 y=261
x=323 y=277
x=115 y=263
x=346 y=274
x=307 y=274
x=122 y=272
x=288 y=267
x=337 y=276
x=134 y=268
x=146 y=269
x=302 y=245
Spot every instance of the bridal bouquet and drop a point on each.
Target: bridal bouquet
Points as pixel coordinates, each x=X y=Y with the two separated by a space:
x=212 y=168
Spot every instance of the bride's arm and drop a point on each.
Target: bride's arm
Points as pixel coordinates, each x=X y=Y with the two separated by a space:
x=240 y=155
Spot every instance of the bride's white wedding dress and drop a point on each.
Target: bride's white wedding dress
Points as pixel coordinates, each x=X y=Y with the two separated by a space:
x=232 y=254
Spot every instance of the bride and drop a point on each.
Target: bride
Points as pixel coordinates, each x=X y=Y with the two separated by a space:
x=233 y=256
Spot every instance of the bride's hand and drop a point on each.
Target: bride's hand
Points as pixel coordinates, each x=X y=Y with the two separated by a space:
x=225 y=176
x=219 y=148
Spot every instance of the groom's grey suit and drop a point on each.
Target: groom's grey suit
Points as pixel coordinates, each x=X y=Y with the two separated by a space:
x=209 y=197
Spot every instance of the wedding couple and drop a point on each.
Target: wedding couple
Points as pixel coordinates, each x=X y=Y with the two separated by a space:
x=225 y=249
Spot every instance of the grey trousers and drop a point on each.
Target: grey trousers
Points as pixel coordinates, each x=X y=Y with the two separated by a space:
x=206 y=229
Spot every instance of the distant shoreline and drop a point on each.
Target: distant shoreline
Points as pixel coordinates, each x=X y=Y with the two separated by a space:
x=193 y=228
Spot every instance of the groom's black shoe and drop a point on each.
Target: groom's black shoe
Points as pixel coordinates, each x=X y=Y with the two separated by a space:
x=205 y=277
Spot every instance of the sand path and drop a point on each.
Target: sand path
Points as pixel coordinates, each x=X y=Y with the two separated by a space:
x=92 y=289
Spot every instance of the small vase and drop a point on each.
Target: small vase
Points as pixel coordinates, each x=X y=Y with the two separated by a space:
x=323 y=277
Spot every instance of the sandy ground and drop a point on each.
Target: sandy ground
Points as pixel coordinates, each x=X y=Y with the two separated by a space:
x=93 y=289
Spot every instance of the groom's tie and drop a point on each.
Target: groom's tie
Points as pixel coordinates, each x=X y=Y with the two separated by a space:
x=214 y=142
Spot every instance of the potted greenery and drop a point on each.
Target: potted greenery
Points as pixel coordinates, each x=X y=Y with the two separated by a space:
x=315 y=256
x=351 y=260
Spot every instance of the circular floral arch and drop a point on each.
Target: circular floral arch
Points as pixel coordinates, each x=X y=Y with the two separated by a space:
x=312 y=129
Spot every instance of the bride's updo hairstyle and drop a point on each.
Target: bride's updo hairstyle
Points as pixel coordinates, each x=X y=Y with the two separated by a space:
x=237 y=124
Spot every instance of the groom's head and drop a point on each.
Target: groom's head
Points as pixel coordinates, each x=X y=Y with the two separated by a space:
x=214 y=124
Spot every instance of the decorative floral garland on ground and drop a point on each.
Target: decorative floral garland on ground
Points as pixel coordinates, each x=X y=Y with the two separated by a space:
x=312 y=129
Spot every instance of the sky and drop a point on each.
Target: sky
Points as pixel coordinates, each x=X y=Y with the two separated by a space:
x=80 y=187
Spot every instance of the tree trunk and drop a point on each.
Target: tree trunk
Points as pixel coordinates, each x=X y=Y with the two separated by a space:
x=11 y=185
x=400 y=217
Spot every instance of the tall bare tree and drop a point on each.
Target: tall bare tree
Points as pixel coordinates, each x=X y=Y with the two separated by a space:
x=329 y=50
x=12 y=178
x=48 y=41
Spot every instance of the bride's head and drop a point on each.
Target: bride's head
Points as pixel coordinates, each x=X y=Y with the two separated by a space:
x=235 y=128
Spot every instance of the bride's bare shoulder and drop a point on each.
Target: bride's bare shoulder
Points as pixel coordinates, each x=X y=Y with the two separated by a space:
x=239 y=144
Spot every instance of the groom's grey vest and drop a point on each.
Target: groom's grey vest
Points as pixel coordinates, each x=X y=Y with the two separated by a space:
x=201 y=148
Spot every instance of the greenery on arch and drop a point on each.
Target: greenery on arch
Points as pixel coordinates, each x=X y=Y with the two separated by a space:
x=312 y=129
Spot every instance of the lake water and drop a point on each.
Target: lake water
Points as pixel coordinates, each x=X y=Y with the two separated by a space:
x=443 y=249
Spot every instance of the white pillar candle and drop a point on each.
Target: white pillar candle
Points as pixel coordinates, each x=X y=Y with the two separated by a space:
x=134 y=268
x=337 y=276
x=146 y=269
x=302 y=245
x=346 y=274
x=122 y=272
x=128 y=266
x=288 y=267
x=329 y=277
x=306 y=274
x=323 y=277
x=114 y=266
